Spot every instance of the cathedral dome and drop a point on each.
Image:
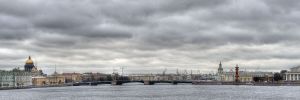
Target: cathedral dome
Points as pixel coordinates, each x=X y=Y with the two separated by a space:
x=29 y=61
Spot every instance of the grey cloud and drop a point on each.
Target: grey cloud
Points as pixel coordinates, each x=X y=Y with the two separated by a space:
x=141 y=12
x=150 y=34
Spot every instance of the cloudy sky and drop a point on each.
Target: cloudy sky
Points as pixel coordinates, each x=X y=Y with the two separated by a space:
x=147 y=36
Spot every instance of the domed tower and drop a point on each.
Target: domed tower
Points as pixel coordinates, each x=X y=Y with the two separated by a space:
x=28 y=65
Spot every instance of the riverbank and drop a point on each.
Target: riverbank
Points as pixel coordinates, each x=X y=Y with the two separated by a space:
x=247 y=83
x=193 y=83
x=11 y=88
x=30 y=87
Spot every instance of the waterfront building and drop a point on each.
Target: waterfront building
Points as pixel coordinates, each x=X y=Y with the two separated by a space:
x=161 y=77
x=54 y=79
x=15 y=78
x=293 y=74
x=89 y=76
x=170 y=77
x=244 y=76
x=40 y=81
x=211 y=77
x=141 y=77
x=48 y=81
x=72 y=77
x=180 y=76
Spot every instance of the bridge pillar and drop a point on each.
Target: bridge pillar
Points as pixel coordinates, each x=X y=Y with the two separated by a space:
x=148 y=82
x=174 y=83
x=116 y=82
x=93 y=83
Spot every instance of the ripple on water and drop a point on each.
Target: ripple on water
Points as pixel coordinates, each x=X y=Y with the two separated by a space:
x=155 y=92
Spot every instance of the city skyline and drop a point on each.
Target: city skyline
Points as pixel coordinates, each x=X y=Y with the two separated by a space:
x=52 y=68
x=150 y=36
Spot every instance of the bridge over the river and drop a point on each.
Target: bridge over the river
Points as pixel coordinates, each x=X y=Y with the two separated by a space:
x=120 y=82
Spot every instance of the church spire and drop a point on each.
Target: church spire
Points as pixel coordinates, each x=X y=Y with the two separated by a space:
x=220 y=69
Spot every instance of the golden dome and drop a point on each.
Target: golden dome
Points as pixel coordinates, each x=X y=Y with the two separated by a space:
x=29 y=61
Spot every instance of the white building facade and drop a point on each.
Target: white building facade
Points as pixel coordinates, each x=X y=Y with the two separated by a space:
x=293 y=74
x=15 y=78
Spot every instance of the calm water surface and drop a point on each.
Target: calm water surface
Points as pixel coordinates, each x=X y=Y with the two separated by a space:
x=155 y=92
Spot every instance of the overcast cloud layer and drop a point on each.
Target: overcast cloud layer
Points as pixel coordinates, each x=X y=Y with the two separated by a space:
x=147 y=36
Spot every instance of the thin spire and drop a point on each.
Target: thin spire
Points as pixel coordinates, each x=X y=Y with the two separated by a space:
x=220 y=65
x=55 y=70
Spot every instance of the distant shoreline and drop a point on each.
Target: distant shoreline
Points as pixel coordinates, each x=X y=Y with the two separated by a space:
x=194 y=83
x=31 y=87
x=248 y=83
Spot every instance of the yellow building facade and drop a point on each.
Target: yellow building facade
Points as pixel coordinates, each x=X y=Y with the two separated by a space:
x=48 y=81
x=72 y=77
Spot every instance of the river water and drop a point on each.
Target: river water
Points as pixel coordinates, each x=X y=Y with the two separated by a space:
x=155 y=92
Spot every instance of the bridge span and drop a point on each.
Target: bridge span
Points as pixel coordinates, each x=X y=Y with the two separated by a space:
x=120 y=82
